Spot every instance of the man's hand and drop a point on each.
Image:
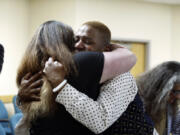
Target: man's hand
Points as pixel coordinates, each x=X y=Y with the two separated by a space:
x=30 y=87
x=54 y=71
x=112 y=47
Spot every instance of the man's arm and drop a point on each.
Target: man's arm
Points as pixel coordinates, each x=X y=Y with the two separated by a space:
x=114 y=98
x=29 y=89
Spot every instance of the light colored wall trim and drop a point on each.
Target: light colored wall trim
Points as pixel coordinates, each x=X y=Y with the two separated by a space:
x=6 y=98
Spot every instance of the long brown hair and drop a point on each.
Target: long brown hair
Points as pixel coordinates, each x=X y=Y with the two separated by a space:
x=52 y=39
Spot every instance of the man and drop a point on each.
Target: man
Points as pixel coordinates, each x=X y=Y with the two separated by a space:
x=90 y=37
x=160 y=90
x=1 y=56
x=94 y=36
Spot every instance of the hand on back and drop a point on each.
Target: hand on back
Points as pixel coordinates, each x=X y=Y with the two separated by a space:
x=30 y=87
x=31 y=84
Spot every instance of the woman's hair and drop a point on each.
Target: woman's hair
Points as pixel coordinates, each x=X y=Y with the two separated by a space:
x=155 y=87
x=52 y=39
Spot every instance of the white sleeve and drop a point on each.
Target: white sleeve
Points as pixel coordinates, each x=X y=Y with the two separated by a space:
x=114 y=98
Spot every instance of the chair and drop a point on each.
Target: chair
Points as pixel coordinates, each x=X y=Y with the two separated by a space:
x=14 y=120
x=2 y=132
x=4 y=121
x=16 y=108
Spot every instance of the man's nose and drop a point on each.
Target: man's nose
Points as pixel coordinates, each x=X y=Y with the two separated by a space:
x=79 y=45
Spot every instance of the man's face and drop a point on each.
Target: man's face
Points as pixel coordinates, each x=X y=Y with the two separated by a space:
x=88 y=39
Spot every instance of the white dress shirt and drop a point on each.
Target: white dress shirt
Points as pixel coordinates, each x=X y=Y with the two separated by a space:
x=114 y=98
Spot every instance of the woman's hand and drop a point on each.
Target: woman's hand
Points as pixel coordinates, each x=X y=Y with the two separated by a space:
x=54 y=71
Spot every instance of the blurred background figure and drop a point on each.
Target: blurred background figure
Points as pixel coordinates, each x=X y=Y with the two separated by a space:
x=1 y=56
x=160 y=90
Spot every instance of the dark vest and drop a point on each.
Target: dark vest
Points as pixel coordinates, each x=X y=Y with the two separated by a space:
x=134 y=121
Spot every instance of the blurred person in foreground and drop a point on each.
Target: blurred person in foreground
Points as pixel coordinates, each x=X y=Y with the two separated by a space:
x=1 y=56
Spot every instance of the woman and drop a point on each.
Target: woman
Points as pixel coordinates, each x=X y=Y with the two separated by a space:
x=55 y=39
x=160 y=90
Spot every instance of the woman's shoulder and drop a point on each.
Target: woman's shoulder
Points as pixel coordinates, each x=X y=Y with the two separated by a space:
x=88 y=57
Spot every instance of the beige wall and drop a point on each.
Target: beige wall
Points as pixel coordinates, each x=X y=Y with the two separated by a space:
x=13 y=35
x=157 y=23
x=43 y=10
x=175 y=48
x=133 y=20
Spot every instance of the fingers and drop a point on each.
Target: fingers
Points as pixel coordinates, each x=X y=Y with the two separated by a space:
x=30 y=87
x=108 y=48
x=36 y=91
x=35 y=77
x=51 y=63
x=58 y=64
x=34 y=98
x=27 y=76
x=48 y=63
x=50 y=59
x=29 y=98
x=117 y=46
x=36 y=84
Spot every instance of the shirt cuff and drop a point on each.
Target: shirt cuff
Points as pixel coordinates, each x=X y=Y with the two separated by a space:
x=60 y=86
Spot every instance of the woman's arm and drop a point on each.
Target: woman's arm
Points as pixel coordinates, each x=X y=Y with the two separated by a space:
x=114 y=98
x=119 y=61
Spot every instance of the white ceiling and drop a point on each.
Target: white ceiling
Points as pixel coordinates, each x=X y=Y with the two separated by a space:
x=174 y=2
